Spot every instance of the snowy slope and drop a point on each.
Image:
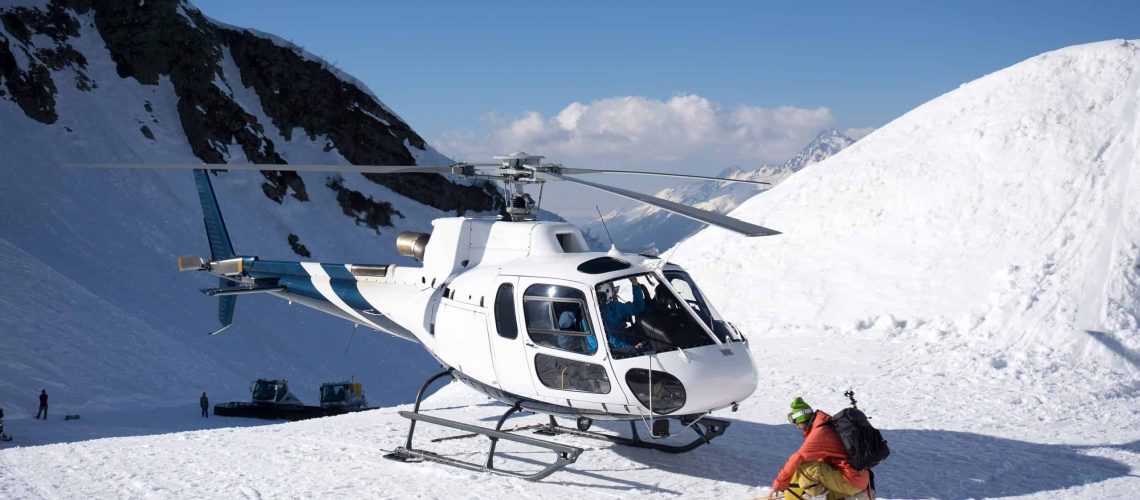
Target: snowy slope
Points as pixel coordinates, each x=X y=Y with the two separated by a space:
x=1005 y=209
x=648 y=229
x=92 y=309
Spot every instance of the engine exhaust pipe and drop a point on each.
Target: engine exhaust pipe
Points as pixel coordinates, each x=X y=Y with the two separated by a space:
x=412 y=244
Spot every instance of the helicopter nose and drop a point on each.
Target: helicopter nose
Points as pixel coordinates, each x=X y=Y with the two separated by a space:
x=713 y=376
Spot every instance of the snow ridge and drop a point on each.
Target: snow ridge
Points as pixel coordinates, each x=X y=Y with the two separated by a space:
x=1006 y=207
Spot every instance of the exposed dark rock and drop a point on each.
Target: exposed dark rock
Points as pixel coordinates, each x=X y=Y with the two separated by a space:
x=299 y=93
x=280 y=183
x=363 y=208
x=148 y=107
x=152 y=40
x=62 y=56
x=33 y=90
x=146 y=131
x=429 y=189
x=298 y=248
x=157 y=39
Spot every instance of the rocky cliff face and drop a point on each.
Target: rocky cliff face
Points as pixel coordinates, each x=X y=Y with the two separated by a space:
x=170 y=40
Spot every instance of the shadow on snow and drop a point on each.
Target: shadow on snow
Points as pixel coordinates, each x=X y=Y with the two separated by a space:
x=923 y=463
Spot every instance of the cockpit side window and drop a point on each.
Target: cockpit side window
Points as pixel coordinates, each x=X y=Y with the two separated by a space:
x=556 y=317
x=505 y=322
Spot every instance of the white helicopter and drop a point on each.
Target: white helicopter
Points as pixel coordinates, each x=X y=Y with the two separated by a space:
x=521 y=310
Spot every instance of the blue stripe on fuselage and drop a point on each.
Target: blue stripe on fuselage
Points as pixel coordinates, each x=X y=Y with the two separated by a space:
x=302 y=286
x=274 y=268
x=344 y=284
x=350 y=294
x=296 y=279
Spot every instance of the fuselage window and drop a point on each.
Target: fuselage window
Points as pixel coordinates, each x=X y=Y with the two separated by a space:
x=505 y=321
x=556 y=317
x=571 y=375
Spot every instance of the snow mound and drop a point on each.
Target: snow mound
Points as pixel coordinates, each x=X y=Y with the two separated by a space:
x=1007 y=209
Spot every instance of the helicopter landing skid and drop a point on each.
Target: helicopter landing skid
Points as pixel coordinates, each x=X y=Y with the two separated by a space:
x=706 y=428
x=564 y=454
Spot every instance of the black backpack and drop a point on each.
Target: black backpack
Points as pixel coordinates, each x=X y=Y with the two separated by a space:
x=865 y=446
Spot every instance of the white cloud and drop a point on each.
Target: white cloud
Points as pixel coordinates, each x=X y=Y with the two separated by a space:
x=685 y=128
x=858 y=133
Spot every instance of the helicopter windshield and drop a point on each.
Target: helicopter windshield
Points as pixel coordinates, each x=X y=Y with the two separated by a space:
x=641 y=315
x=687 y=289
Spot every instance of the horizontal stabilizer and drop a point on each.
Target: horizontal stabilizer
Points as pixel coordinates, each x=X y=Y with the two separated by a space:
x=224 y=292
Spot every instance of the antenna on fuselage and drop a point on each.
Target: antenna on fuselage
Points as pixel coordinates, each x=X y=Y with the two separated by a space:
x=608 y=235
x=355 y=326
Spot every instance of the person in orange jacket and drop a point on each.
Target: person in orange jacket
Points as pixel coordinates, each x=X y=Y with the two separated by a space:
x=820 y=465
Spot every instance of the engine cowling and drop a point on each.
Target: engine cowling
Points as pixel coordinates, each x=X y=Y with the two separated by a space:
x=412 y=244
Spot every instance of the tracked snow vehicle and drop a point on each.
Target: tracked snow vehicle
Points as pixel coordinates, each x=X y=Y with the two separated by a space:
x=269 y=399
x=340 y=397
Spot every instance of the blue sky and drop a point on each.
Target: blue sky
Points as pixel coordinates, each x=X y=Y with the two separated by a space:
x=466 y=74
x=444 y=64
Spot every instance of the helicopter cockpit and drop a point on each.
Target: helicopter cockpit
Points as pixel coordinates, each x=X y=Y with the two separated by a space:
x=641 y=314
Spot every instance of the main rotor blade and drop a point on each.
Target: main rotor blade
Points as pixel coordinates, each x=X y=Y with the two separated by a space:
x=713 y=218
x=364 y=169
x=576 y=171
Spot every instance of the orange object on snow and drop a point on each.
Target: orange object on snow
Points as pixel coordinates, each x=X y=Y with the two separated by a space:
x=822 y=444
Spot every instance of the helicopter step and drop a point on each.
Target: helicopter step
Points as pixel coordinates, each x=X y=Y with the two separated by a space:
x=706 y=428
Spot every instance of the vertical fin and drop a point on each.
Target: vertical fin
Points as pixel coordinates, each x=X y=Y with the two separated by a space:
x=216 y=233
x=219 y=238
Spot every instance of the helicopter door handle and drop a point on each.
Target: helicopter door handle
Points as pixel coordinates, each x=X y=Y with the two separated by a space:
x=528 y=344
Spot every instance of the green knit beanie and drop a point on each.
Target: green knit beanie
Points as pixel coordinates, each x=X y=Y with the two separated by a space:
x=801 y=411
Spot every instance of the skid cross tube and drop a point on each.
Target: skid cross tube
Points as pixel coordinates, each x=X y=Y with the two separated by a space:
x=565 y=454
x=706 y=428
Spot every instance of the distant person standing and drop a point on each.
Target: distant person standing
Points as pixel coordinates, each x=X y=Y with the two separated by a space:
x=43 y=404
x=205 y=402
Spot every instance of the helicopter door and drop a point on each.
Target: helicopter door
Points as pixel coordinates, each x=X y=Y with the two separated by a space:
x=462 y=340
x=506 y=344
x=562 y=347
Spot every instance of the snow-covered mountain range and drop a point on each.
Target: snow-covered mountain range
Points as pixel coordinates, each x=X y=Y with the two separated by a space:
x=91 y=307
x=648 y=229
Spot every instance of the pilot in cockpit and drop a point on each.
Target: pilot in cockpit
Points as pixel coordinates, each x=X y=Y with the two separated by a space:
x=618 y=317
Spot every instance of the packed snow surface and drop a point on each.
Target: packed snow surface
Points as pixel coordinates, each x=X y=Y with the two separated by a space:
x=969 y=270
